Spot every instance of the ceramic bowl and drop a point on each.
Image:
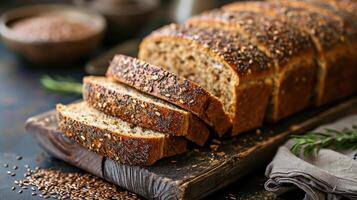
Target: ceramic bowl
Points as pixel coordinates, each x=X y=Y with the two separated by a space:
x=52 y=52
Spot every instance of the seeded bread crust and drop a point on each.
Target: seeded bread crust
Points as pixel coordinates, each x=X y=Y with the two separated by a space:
x=346 y=5
x=162 y=84
x=346 y=20
x=231 y=48
x=142 y=112
x=130 y=150
x=291 y=49
x=336 y=59
x=251 y=65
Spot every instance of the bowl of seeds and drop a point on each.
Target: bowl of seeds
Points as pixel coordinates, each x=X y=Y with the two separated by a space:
x=51 y=34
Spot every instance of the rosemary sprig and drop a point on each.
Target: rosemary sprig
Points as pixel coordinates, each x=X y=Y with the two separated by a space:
x=61 y=85
x=314 y=141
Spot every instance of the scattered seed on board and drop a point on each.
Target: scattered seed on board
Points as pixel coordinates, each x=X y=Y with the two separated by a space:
x=13 y=188
x=14 y=167
x=69 y=186
x=20 y=191
x=6 y=165
x=18 y=157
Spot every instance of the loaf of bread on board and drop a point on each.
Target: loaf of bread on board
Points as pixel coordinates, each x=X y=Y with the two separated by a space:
x=224 y=63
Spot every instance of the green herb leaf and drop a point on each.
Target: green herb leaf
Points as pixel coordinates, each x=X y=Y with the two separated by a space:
x=314 y=141
x=61 y=85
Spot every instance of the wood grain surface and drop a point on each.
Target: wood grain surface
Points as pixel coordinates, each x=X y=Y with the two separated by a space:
x=197 y=173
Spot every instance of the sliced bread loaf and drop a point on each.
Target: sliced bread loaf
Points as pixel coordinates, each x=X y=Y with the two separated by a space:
x=291 y=49
x=114 y=138
x=158 y=82
x=336 y=59
x=224 y=63
x=133 y=106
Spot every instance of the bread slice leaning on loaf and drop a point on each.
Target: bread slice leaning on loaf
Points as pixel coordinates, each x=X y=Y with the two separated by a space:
x=114 y=138
x=224 y=63
x=128 y=104
x=291 y=49
x=336 y=59
x=179 y=91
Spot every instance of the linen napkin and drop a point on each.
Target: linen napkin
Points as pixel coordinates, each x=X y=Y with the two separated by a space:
x=330 y=174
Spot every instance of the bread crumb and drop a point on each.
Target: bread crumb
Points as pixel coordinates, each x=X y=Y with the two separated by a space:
x=221 y=154
x=214 y=147
x=258 y=131
x=294 y=127
x=216 y=141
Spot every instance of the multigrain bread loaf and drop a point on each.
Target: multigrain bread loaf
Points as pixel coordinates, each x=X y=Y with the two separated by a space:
x=336 y=60
x=162 y=84
x=143 y=110
x=114 y=138
x=223 y=62
x=291 y=49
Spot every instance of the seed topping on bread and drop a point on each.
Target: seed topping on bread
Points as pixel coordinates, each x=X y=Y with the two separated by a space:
x=282 y=40
x=238 y=52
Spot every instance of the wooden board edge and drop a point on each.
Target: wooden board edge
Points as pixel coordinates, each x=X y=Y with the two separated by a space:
x=198 y=187
x=135 y=179
x=141 y=181
x=58 y=145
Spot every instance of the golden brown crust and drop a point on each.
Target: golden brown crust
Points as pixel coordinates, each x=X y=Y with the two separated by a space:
x=345 y=20
x=252 y=101
x=236 y=52
x=281 y=40
x=294 y=90
x=156 y=81
x=127 y=150
x=147 y=114
x=231 y=48
x=291 y=49
x=317 y=25
x=340 y=72
x=347 y=5
x=328 y=35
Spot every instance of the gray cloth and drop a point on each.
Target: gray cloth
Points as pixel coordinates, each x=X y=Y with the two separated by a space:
x=330 y=174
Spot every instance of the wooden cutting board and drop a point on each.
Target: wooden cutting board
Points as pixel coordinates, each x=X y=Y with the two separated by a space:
x=192 y=175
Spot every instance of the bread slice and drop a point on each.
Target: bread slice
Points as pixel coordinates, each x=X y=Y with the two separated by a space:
x=336 y=60
x=224 y=63
x=291 y=49
x=114 y=138
x=162 y=84
x=135 y=107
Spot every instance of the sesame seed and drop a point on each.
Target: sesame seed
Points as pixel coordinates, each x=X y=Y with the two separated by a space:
x=155 y=77
x=157 y=113
x=18 y=157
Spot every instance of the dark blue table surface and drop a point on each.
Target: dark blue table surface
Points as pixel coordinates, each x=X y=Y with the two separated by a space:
x=21 y=96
